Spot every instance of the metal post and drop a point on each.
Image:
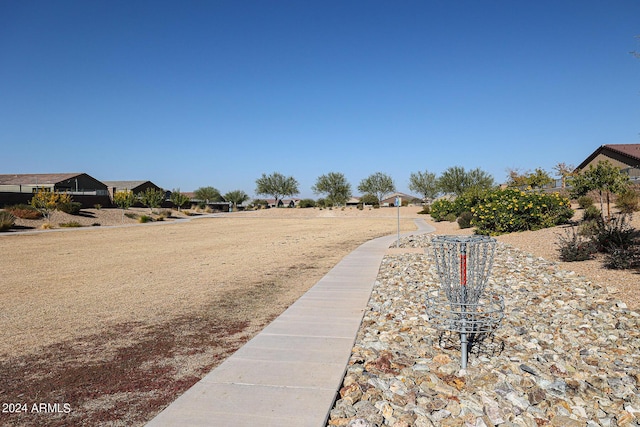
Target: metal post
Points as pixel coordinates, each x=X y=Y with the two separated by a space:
x=463 y=288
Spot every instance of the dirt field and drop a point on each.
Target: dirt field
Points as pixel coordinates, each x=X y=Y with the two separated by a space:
x=97 y=316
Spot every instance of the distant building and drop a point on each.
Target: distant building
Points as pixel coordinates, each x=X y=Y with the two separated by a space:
x=84 y=189
x=624 y=156
x=390 y=200
x=136 y=187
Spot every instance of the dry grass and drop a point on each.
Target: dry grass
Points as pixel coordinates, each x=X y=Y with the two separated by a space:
x=117 y=322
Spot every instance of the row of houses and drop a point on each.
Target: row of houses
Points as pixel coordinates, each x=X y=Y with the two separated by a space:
x=89 y=191
x=85 y=189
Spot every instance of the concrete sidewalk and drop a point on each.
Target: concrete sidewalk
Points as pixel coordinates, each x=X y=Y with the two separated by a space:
x=289 y=374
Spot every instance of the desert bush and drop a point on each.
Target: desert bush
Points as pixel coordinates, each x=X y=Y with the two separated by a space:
x=451 y=217
x=588 y=228
x=464 y=220
x=131 y=215
x=619 y=258
x=627 y=201
x=615 y=233
x=585 y=201
x=144 y=218
x=97 y=206
x=307 y=203
x=508 y=210
x=72 y=208
x=163 y=214
x=574 y=247
x=24 y=211
x=591 y=213
x=7 y=220
x=426 y=209
x=441 y=208
x=48 y=201
x=70 y=224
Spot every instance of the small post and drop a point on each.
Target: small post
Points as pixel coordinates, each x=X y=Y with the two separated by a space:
x=398 y=202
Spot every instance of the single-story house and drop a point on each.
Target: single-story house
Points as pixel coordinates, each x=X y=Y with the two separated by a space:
x=83 y=188
x=220 y=206
x=353 y=201
x=390 y=200
x=624 y=156
x=136 y=187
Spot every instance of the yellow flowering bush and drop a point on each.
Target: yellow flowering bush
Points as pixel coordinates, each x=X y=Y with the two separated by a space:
x=509 y=210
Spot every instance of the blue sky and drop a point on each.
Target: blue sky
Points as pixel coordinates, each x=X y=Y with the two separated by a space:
x=197 y=93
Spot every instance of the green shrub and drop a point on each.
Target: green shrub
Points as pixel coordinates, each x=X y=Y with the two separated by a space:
x=464 y=220
x=451 y=217
x=441 y=208
x=508 y=210
x=7 y=220
x=307 y=203
x=588 y=228
x=144 y=218
x=426 y=209
x=591 y=213
x=70 y=224
x=573 y=247
x=97 y=206
x=627 y=201
x=24 y=211
x=72 y=208
x=585 y=201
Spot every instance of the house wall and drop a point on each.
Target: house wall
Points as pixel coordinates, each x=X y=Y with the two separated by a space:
x=82 y=183
x=615 y=159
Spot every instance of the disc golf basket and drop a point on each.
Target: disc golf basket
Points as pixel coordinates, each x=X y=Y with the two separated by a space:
x=463 y=265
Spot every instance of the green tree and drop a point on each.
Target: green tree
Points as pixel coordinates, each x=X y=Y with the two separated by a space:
x=536 y=179
x=424 y=183
x=369 y=199
x=152 y=198
x=46 y=201
x=207 y=194
x=178 y=199
x=455 y=180
x=124 y=199
x=276 y=185
x=604 y=177
x=516 y=179
x=236 y=197
x=539 y=178
x=335 y=186
x=478 y=180
x=377 y=184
